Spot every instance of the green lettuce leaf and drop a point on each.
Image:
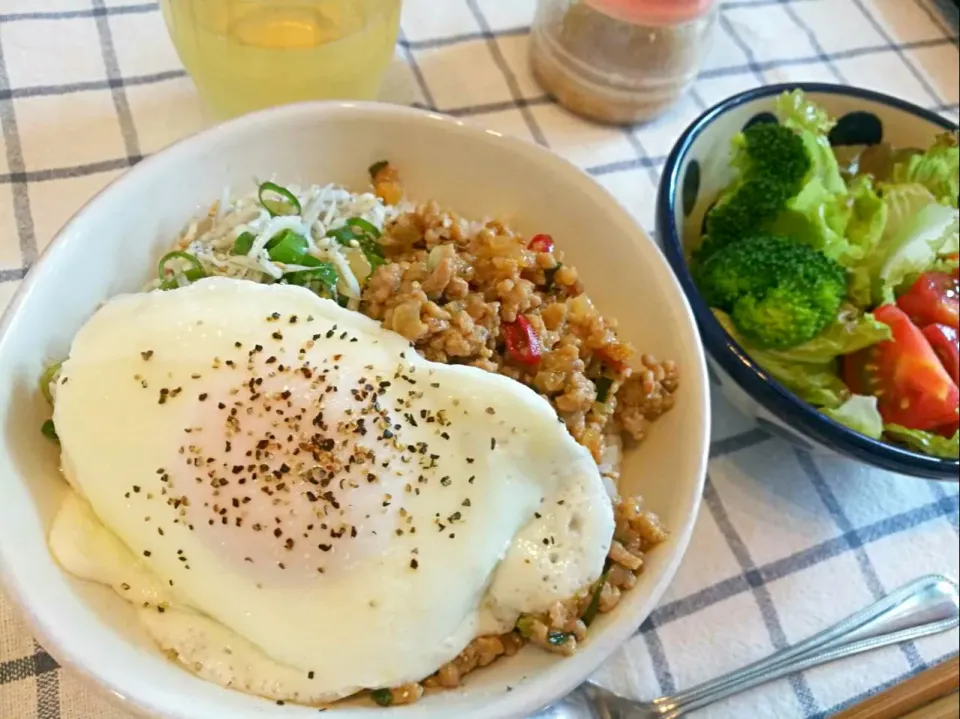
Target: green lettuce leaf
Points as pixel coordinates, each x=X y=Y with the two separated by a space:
x=918 y=230
x=938 y=169
x=852 y=332
x=845 y=223
x=818 y=383
x=860 y=414
x=868 y=215
x=947 y=264
x=860 y=287
x=819 y=218
x=933 y=230
x=811 y=370
x=933 y=444
x=813 y=124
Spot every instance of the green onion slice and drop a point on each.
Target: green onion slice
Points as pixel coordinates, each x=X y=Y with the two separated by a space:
x=550 y=276
x=525 y=626
x=383 y=697
x=366 y=236
x=321 y=279
x=603 y=385
x=593 y=608
x=46 y=378
x=278 y=200
x=343 y=235
x=291 y=249
x=558 y=639
x=49 y=431
x=244 y=243
x=193 y=272
x=364 y=226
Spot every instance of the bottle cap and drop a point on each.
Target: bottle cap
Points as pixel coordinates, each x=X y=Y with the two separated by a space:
x=652 y=12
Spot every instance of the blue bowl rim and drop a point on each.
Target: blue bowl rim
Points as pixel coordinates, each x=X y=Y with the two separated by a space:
x=729 y=354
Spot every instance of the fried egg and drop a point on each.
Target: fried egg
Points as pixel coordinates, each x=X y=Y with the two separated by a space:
x=299 y=505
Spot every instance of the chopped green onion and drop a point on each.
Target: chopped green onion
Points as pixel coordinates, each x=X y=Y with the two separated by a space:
x=558 y=639
x=343 y=235
x=364 y=226
x=383 y=697
x=46 y=378
x=49 y=431
x=550 y=276
x=375 y=168
x=373 y=252
x=603 y=388
x=287 y=204
x=321 y=279
x=593 y=608
x=193 y=273
x=244 y=243
x=291 y=249
x=366 y=236
x=525 y=626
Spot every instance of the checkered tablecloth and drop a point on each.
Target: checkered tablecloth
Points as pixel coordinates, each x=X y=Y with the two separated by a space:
x=785 y=543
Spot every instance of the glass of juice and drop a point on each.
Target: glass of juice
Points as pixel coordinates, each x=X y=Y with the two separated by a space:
x=244 y=55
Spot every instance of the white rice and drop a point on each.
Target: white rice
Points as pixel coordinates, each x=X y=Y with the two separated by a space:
x=211 y=238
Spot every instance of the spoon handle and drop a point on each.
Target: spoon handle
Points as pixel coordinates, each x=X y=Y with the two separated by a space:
x=925 y=606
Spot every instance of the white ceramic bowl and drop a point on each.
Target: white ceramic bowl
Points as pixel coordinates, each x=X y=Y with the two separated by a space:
x=111 y=246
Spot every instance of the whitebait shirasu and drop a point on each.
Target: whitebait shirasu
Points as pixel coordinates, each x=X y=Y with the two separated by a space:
x=212 y=238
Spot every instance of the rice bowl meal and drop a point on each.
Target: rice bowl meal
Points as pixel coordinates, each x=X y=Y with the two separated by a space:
x=326 y=404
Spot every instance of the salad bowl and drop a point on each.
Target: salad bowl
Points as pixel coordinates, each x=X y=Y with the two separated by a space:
x=777 y=388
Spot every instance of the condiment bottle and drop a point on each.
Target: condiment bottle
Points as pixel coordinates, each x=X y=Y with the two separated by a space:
x=620 y=61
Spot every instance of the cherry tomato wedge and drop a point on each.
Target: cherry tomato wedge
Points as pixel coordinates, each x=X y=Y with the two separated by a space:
x=522 y=341
x=911 y=385
x=933 y=299
x=943 y=339
x=542 y=243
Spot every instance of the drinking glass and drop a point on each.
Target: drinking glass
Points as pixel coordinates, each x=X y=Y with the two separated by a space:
x=245 y=55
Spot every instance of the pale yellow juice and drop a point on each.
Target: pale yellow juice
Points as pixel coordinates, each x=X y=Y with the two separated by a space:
x=245 y=55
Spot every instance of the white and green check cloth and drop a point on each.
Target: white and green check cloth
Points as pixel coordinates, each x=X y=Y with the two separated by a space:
x=786 y=543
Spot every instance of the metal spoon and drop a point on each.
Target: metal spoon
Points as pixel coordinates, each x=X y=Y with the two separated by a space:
x=925 y=606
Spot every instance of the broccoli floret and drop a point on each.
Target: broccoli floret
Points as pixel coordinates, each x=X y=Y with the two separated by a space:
x=773 y=163
x=779 y=293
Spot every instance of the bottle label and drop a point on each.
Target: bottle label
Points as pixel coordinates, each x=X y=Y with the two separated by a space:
x=653 y=12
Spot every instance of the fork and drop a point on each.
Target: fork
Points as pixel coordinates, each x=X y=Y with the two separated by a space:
x=928 y=605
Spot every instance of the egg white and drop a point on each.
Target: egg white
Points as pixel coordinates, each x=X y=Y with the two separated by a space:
x=215 y=430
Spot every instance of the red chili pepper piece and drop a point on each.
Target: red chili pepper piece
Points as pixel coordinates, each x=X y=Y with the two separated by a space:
x=541 y=243
x=523 y=343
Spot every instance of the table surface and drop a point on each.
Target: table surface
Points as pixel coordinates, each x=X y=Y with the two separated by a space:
x=785 y=542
